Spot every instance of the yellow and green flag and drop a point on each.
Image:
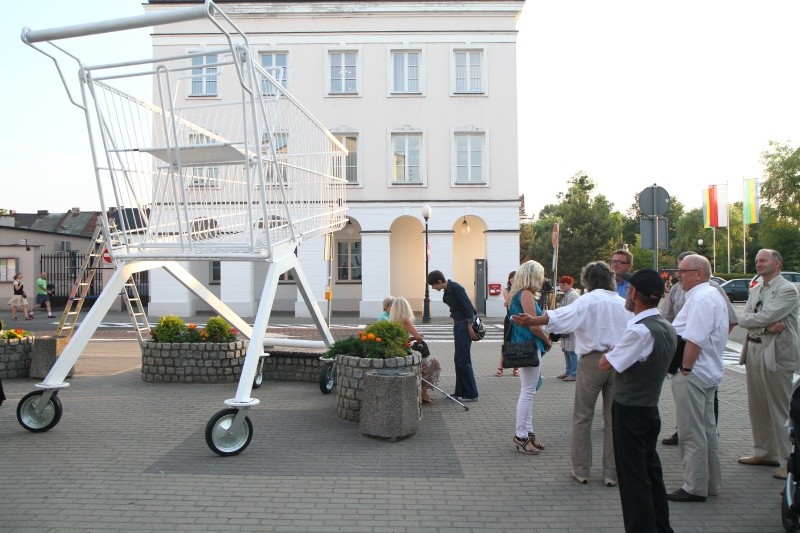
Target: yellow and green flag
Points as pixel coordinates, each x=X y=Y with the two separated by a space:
x=750 y=207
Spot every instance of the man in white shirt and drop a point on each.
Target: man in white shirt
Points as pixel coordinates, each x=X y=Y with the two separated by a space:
x=702 y=323
x=640 y=361
x=598 y=319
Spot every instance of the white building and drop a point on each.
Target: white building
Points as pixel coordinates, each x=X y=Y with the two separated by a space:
x=423 y=94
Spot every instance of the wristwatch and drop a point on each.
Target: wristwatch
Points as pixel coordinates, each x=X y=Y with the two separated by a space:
x=684 y=369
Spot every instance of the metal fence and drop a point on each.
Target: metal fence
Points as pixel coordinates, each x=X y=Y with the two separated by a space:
x=64 y=267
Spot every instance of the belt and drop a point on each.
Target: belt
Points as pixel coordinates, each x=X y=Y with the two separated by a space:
x=755 y=339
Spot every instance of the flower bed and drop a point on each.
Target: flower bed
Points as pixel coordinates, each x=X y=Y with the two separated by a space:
x=193 y=362
x=350 y=372
x=16 y=345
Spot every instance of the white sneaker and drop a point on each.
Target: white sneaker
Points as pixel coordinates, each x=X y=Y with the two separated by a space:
x=579 y=479
x=609 y=482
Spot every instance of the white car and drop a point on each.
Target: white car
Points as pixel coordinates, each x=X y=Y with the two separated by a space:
x=794 y=277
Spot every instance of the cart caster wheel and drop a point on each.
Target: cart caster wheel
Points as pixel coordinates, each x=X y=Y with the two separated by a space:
x=326 y=378
x=258 y=381
x=221 y=439
x=38 y=422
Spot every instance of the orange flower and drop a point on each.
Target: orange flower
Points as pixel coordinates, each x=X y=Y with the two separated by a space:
x=377 y=339
x=191 y=326
x=370 y=336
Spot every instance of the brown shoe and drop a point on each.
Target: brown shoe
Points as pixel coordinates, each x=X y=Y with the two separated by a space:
x=780 y=473
x=757 y=461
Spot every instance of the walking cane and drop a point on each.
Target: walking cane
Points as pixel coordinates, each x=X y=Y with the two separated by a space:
x=466 y=408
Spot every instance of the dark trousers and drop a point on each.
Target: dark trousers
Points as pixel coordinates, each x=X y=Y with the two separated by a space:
x=465 y=378
x=641 y=483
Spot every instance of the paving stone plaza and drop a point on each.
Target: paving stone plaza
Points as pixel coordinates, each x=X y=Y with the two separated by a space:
x=131 y=455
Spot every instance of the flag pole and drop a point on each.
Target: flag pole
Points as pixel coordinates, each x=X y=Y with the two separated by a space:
x=728 y=208
x=744 y=229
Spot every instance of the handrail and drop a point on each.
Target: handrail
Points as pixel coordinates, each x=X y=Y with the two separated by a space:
x=29 y=36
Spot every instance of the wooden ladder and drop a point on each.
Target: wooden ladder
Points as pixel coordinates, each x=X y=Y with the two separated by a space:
x=92 y=262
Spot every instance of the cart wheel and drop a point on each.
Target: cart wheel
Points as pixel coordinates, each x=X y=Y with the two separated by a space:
x=221 y=439
x=258 y=381
x=326 y=378
x=38 y=422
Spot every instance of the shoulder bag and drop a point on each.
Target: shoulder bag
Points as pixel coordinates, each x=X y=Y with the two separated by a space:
x=519 y=354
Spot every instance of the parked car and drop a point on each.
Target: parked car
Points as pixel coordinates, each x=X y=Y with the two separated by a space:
x=737 y=289
x=794 y=277
x=718 y=280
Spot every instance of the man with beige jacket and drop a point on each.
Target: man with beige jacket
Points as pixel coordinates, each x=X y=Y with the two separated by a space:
x=770 y=353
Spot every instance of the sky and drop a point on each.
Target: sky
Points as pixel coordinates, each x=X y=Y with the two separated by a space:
x=683 y=94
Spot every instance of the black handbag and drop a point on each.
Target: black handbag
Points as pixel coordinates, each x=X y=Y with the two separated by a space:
x=519 y=354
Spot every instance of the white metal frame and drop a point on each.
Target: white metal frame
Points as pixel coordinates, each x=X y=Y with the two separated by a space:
x=142 y=158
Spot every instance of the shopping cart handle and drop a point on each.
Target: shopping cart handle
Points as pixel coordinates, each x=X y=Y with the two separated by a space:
x=29 y=36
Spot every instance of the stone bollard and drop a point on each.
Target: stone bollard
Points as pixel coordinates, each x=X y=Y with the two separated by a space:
x=390 y=408
x=44 y=354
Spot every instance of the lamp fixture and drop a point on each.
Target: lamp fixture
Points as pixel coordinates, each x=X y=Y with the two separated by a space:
x=349 y=227
x=465 y=229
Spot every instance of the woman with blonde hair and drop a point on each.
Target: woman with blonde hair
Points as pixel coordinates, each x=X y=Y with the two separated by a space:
x=402 y=313
x=525 y=290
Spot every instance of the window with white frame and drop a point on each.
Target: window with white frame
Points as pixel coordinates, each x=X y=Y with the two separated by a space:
x=350 y=141
x=469 y=158
x=343 y=68
x=348 y=261
x=204 y=75
x=205 y=176
x=406 y=72
x=469 y=72
x=8 y=268
x=281 y=142
x=215 y=274
x=276 y=64
x=407 y=158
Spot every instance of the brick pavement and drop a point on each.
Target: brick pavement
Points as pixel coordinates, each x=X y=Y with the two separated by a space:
x=130 y=455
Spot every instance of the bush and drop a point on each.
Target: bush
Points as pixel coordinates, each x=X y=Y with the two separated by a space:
x=171 y=328
x=17 y=333
x=380 y=340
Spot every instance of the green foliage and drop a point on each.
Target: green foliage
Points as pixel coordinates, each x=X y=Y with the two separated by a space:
x=589 y=227
x=218 y=330
x=781 y=187
x=171 y=328
x=380 y=340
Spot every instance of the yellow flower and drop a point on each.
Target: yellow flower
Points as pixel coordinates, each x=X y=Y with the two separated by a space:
x=371 y=336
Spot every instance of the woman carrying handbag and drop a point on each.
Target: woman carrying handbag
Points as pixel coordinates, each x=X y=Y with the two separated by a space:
x=525 y=289
x=506 y=322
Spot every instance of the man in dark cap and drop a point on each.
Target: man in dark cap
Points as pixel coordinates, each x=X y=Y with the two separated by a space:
x=640 y=360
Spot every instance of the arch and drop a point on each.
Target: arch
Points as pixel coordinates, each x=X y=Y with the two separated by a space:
x=407 y=260
x=466 y=249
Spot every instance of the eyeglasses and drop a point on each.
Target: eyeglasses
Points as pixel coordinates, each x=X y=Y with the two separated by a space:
x=618 y=262
x=681 y=272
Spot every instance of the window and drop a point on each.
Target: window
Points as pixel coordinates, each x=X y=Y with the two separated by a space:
x=350 y=141
x=204 y=75
x=274 y=63
x=343 y=72
x=205 y=176
x=8 y=269
x=216 y=273
x=348 y=261
x=406 y=72
x=281 y=140
x=204 y=228
x=468 y=76
x=469 y=158
x=407 y=151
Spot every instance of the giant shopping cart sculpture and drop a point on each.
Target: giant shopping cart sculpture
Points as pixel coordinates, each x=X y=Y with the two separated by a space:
x=247 y=177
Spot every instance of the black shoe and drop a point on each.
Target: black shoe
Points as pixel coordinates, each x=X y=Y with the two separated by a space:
x=681 y=495
x=671 y=441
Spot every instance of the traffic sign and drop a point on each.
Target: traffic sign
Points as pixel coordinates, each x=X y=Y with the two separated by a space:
x=654 y=201
x=106 y=255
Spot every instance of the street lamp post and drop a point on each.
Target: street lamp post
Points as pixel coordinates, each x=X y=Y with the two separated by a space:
x=426 y=302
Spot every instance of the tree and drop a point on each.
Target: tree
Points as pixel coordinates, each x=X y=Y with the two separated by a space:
x=590 y=229
x=781 y=186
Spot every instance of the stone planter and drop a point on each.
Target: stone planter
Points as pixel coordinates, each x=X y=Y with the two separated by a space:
x=193 y=362
x=350 y=372
x=15 y=357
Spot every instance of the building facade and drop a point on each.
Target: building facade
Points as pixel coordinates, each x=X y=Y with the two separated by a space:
x=424 y=97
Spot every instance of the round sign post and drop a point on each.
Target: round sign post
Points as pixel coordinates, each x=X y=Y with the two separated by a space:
x=654 y=203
